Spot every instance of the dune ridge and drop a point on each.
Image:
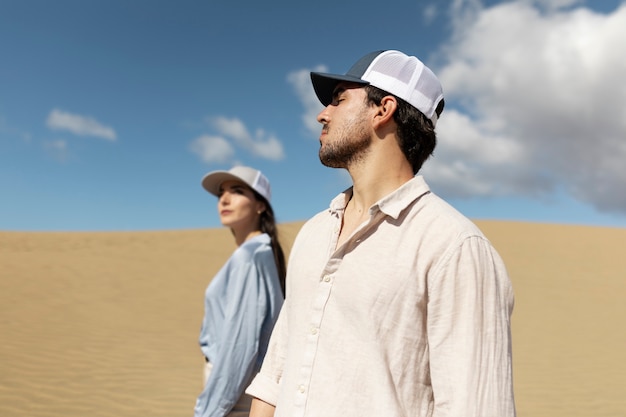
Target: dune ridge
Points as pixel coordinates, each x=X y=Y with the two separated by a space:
x=105 y=323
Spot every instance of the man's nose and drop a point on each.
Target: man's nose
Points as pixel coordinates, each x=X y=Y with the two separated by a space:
x=322 y=116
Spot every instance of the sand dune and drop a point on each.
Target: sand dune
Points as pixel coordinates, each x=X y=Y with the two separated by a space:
x=105 y=324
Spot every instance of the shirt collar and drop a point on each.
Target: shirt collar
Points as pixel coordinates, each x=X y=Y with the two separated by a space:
x=262 y=238
x=392 y=204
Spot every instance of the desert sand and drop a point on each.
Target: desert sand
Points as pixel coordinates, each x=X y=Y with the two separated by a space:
x=106 y=324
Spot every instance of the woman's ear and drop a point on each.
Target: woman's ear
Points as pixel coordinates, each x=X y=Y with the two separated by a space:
x=260 y=207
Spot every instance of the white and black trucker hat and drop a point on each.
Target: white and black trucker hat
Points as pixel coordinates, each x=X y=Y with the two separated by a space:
x=250 y=176
x=394 y=72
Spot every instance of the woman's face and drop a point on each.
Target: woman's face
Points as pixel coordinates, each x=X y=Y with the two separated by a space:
x=238 y=208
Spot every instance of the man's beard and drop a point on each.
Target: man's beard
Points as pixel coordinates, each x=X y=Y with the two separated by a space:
x=351 y=146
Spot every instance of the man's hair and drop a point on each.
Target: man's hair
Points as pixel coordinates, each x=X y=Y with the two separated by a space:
x=416 y=134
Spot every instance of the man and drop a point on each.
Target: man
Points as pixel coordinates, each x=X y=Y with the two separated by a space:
x=396 y=305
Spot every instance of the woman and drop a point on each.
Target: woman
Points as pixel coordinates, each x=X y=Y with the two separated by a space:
x=243 y=300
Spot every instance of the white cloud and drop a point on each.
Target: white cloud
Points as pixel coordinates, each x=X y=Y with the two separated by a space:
x=430 y=13
x=79 y=125
x=535 y=102
x=553 y=5
x=301 y=82
x=57 y=148
x=232 y=131
x=463 y=12
x=212 y=149
x=262 y=144
x=9 y=130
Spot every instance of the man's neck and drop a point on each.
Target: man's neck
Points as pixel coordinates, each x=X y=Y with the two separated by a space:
x=370 y=183
x=373 y=182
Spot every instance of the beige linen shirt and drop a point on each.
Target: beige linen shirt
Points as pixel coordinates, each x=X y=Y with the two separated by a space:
x=409 y=317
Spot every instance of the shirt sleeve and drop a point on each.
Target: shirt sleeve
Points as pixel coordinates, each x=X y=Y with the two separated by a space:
x=266 y=384
x=469 y=308
x=234 y=363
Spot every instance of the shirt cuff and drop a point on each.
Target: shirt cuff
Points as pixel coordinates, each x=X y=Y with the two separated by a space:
x=264 y=388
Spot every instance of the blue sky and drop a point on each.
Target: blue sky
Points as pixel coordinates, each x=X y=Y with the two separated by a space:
x=112 y=111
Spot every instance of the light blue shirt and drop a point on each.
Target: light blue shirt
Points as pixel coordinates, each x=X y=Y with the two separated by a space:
x=242 y=303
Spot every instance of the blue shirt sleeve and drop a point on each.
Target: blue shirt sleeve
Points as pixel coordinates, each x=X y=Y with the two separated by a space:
x=244 y=298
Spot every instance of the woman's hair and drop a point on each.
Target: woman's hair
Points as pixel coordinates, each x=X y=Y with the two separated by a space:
x=268 y=225
x=416 y=134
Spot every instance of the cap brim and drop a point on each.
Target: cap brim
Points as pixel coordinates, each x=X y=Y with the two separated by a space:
x=324 y=84
x=213 y=180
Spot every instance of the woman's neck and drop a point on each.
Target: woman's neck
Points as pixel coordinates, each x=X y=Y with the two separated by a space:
x=240 y=238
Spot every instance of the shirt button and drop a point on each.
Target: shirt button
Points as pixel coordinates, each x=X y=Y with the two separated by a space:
x=301 y=389
x=326 y=278
x=313 y=331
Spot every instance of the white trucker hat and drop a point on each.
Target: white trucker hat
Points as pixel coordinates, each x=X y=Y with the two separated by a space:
x=250 y=176
x=394 y=72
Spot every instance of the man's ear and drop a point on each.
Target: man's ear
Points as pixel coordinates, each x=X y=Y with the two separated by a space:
x=385 y=111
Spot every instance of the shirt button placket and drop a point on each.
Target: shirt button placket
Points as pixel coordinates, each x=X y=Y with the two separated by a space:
x=317 y=314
